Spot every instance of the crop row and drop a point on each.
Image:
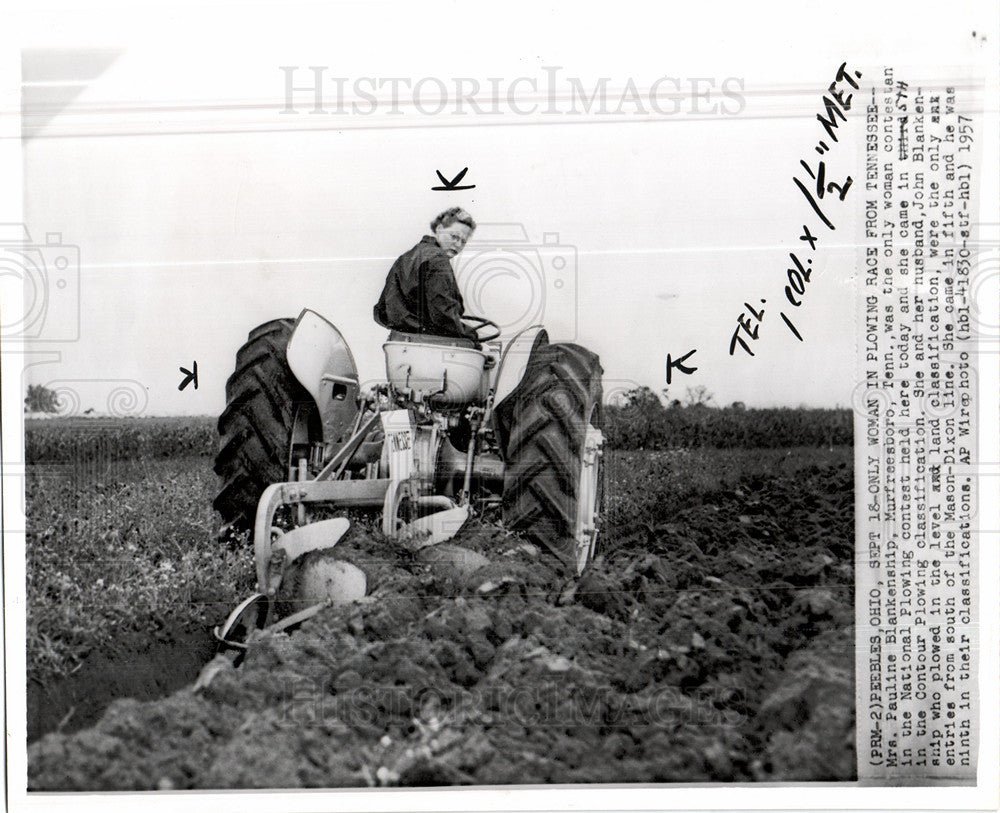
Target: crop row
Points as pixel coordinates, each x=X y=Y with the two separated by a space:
x=654 y=427
x=643 y=426
x=68 y=440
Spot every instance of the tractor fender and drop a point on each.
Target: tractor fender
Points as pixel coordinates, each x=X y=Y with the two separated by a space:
x=319 y=357
x=514 y=361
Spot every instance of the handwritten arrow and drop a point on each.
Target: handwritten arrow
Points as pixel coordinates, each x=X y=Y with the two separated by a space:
x=679 y=365
x=189 y=376
x=452 y=185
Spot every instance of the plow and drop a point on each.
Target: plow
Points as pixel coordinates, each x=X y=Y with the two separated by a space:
x=456 y=427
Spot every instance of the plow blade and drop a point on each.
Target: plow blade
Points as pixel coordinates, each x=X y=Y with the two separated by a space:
x=317 y=536
x=433 y=529
x=249 y=615
x=321 y=583
x=344 y=493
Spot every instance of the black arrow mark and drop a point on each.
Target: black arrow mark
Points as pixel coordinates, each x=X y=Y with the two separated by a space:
x=679 y=364
x=189 y=376
x=452 y=185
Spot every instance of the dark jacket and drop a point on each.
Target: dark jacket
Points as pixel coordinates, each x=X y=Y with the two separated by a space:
x=421 y=295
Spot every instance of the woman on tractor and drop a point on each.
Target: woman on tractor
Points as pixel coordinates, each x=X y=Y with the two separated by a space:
x=420 y=293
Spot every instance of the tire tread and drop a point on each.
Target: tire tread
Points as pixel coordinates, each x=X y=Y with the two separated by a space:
x=255 y=427
x=546 y=418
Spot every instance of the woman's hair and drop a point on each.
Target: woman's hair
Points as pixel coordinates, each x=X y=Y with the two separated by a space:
x=453 y=215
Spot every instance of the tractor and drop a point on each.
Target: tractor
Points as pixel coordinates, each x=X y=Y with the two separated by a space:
x=456 y=427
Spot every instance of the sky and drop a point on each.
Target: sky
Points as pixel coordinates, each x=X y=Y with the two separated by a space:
x=199 y=209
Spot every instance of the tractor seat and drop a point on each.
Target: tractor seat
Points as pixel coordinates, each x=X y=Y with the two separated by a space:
x=447 y=370
x=427 y=338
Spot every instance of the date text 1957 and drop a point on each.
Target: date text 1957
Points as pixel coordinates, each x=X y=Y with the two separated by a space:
x=815 y=189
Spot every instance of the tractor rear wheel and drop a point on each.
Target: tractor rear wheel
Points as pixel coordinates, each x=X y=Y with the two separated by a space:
x=262 y=397
x=553 y=484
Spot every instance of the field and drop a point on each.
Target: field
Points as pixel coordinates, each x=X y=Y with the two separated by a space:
x=711 y=641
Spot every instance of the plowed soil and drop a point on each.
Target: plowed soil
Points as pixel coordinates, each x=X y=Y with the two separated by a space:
x=711 y=641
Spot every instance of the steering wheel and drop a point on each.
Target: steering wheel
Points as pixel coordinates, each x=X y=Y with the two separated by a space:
x=478 y=323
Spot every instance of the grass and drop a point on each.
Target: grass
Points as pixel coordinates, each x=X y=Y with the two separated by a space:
x=130 y=547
